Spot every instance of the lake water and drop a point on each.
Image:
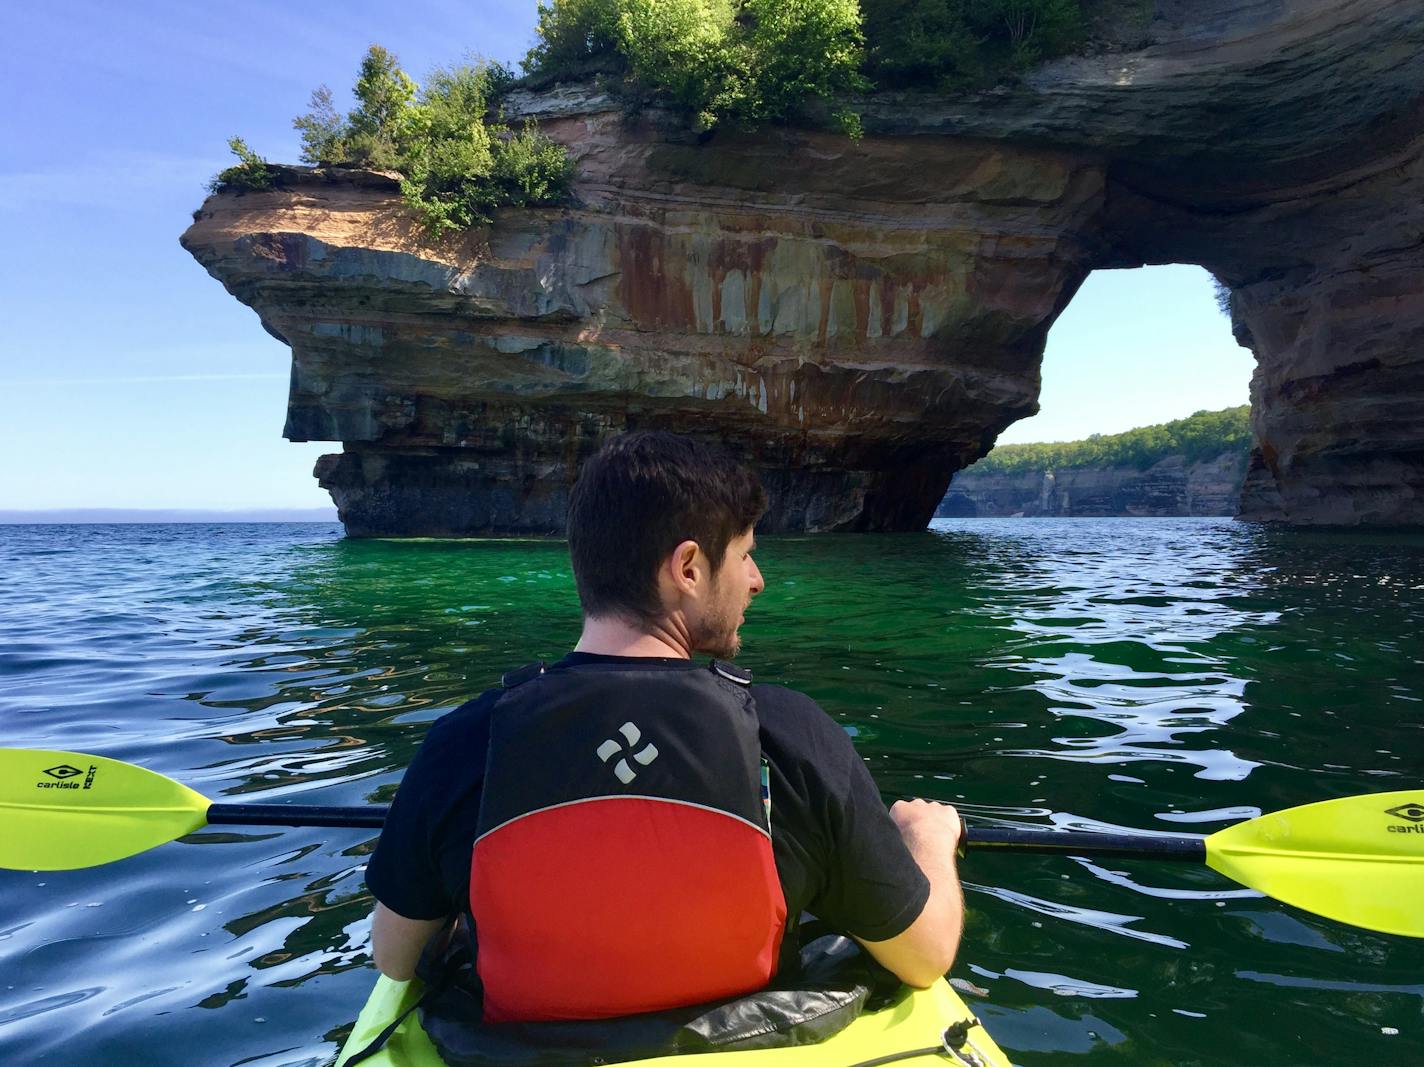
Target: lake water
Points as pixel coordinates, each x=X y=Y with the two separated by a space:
x=1161 y=674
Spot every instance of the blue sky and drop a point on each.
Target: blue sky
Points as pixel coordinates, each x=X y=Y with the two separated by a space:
x=131 y=379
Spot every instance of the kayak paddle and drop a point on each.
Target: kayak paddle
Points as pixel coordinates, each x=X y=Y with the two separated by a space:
x=62 y=810
x=1359 y=860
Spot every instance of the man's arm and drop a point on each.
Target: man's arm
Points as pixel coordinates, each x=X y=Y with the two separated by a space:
x=405 y=873
x=397 y=942
x=925 y=950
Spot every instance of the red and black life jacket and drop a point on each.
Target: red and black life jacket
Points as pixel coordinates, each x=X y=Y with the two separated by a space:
x=623 y=858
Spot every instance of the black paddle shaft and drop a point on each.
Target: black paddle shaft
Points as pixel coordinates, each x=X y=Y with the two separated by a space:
x=372 y=816
x=1059 y=842
x=1083 y=843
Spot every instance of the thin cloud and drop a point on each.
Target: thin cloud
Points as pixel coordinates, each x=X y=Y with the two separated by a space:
x=147 y=379
x=128 y=179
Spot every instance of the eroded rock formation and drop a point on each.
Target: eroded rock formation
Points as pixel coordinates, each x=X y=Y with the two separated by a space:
x=861 y=318
x=857 y=329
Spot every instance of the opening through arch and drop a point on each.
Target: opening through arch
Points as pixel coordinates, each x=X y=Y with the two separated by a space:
x=1134 y=354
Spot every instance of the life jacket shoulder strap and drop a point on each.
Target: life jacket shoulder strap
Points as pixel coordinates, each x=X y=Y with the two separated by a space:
x=526 y=673
x=530 y=671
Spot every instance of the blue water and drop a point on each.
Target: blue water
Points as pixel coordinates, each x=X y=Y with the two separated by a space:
x=1145 y=673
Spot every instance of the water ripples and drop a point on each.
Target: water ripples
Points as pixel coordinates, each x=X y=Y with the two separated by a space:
x=1147 y=676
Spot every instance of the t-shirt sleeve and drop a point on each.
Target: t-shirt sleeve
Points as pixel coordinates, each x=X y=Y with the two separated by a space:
x=877 y=889
x=874 y=889
x=406 y=873
x=403 y=874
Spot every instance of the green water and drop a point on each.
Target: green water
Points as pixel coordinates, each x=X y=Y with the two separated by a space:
x=1158 y=674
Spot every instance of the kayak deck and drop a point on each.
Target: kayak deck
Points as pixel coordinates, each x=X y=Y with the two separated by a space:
x=915 y=1021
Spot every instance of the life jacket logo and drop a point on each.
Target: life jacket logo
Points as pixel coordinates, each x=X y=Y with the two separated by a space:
x=1412 y=812
x=644 y=756
x=64 y=775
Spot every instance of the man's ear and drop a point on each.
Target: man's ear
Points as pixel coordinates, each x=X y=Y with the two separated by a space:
x=683 y=569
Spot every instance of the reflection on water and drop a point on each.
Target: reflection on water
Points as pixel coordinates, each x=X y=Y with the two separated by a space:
x=1160 y=676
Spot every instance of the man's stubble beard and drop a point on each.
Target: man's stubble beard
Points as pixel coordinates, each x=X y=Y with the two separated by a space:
x=718 y=634
x=723 y=646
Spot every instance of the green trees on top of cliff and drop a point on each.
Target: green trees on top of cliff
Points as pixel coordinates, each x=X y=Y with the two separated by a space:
x=380 y=130
x=457 y=160
x=755 y=60
x=956 y=44
x=250 y=171
x=743 y=62
x=1200 y=436
x=747 y=61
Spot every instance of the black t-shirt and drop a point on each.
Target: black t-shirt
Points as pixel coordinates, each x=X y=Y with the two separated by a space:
x=838 y=854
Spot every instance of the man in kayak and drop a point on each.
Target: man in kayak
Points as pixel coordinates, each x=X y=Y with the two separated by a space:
x=630 y=830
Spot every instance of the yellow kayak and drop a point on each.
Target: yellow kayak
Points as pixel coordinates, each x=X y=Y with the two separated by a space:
x=918 y=1019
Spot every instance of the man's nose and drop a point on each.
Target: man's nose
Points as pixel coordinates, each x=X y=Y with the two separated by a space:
x=758 y=583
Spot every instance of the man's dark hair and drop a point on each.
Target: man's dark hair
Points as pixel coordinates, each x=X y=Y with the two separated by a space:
x=637 y=499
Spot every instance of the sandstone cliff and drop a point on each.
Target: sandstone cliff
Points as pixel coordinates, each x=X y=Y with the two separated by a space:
x=861 y=318
x=1172 y=486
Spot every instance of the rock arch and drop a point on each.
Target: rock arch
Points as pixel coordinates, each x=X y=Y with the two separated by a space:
x=861 y=318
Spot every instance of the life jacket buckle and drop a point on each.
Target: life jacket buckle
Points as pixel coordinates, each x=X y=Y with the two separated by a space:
x=731 y=672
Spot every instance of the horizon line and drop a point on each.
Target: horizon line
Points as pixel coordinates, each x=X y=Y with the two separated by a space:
x=98 y=515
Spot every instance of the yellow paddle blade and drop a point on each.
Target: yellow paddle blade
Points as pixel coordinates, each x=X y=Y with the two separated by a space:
x=61 y=810
x=1357 y=859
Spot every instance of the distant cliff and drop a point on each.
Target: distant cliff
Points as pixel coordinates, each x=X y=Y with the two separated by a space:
x=1172 y=486
x=1191 y=466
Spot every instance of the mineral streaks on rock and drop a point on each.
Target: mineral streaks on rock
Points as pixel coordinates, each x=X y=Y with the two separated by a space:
x=1337 y=414
x=1278 y=145
x=856 y=319
x=1328 y=291
x=1336 y=317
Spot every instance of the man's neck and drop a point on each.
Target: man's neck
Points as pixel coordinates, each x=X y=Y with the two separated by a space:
x=612 y=636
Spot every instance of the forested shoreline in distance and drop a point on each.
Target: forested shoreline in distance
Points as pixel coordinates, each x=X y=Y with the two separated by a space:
x=1191 y=466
